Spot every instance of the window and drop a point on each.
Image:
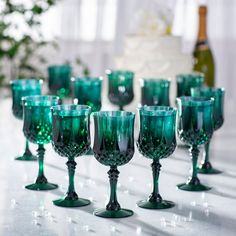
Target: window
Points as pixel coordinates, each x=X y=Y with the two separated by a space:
x=86 y=20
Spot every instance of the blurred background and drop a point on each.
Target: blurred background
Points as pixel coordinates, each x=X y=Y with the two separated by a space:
x=90 y=34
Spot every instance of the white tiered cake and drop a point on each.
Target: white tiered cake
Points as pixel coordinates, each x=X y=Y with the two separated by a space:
x=154 y=54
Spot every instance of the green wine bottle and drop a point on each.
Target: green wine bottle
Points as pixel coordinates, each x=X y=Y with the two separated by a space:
x=203 y=58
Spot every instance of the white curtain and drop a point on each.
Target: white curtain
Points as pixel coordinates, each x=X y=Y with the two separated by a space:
x=84 y=29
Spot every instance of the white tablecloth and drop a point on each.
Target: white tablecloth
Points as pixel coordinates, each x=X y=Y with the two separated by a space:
x=25 y=212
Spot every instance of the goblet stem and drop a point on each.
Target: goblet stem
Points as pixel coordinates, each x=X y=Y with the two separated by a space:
x=155 y=200
x=27 y=150
x=71 y=199
x=41 y=179
x=206 y=152
x=205 y=163
x=113 y=204
x=194 y=152
x=155 y=196
x=121 y=108
x=27 y=155
x=71 y=194
x=193 y=183
x=206 y=167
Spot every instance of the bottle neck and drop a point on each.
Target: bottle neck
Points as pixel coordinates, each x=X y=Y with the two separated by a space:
x=202 y=32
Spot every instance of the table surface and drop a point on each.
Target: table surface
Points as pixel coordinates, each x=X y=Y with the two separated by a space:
x=25 y=212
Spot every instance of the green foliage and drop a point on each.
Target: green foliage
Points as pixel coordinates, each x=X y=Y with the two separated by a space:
x=85 y=69
x=20 y=51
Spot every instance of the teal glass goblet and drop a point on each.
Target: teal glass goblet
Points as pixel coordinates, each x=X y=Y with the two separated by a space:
x=194 y=127
x=156 y=140
x=70 y=139
x=38 y=129
x=218 y=120
x=113 y=146
x=120 y=87
x=22 y=88
x=187 y=81
x=59 y=80
x=87 y=91
x=155 y=92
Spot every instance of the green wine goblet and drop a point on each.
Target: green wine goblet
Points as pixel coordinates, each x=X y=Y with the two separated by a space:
x=194 y=127
x=155 y=92
x=187 y=81
x=71 y=138
x=87 y=91
x=38 y=129
x=22 y=88
x=59 y=80
x=120 y=87
x=218 y=120
x=113 y=146
x=156 y=140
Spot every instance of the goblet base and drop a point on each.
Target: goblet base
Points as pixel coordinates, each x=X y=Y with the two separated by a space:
x=63 y=202
x=41 y=187
x=193 y=187
x=113 y=214
x=26 y=158
x=163 y=204
x=206 y=168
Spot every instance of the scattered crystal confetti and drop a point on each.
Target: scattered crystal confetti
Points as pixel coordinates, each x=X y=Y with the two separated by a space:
x=190 y=216
x=81 y=185
x=48 y=214
x=163 y=221
x=89 y=181
x=207 y=212
x=131 y=179
x=36 y=214
x=203 y=196
x=173 y=223
x=193 y=203
x=91 y=199
x=138 y=230
x=36 y=223
x=13 y=203
x=51 y=219
x=149 y=185
x=126 y=191
x=205 y=204
x=69 y=219
x=86 y=228
x=113 y=228
x=175 y=217
x=42 y=207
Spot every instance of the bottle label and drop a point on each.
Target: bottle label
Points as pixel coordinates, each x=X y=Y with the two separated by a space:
x=202 y=45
